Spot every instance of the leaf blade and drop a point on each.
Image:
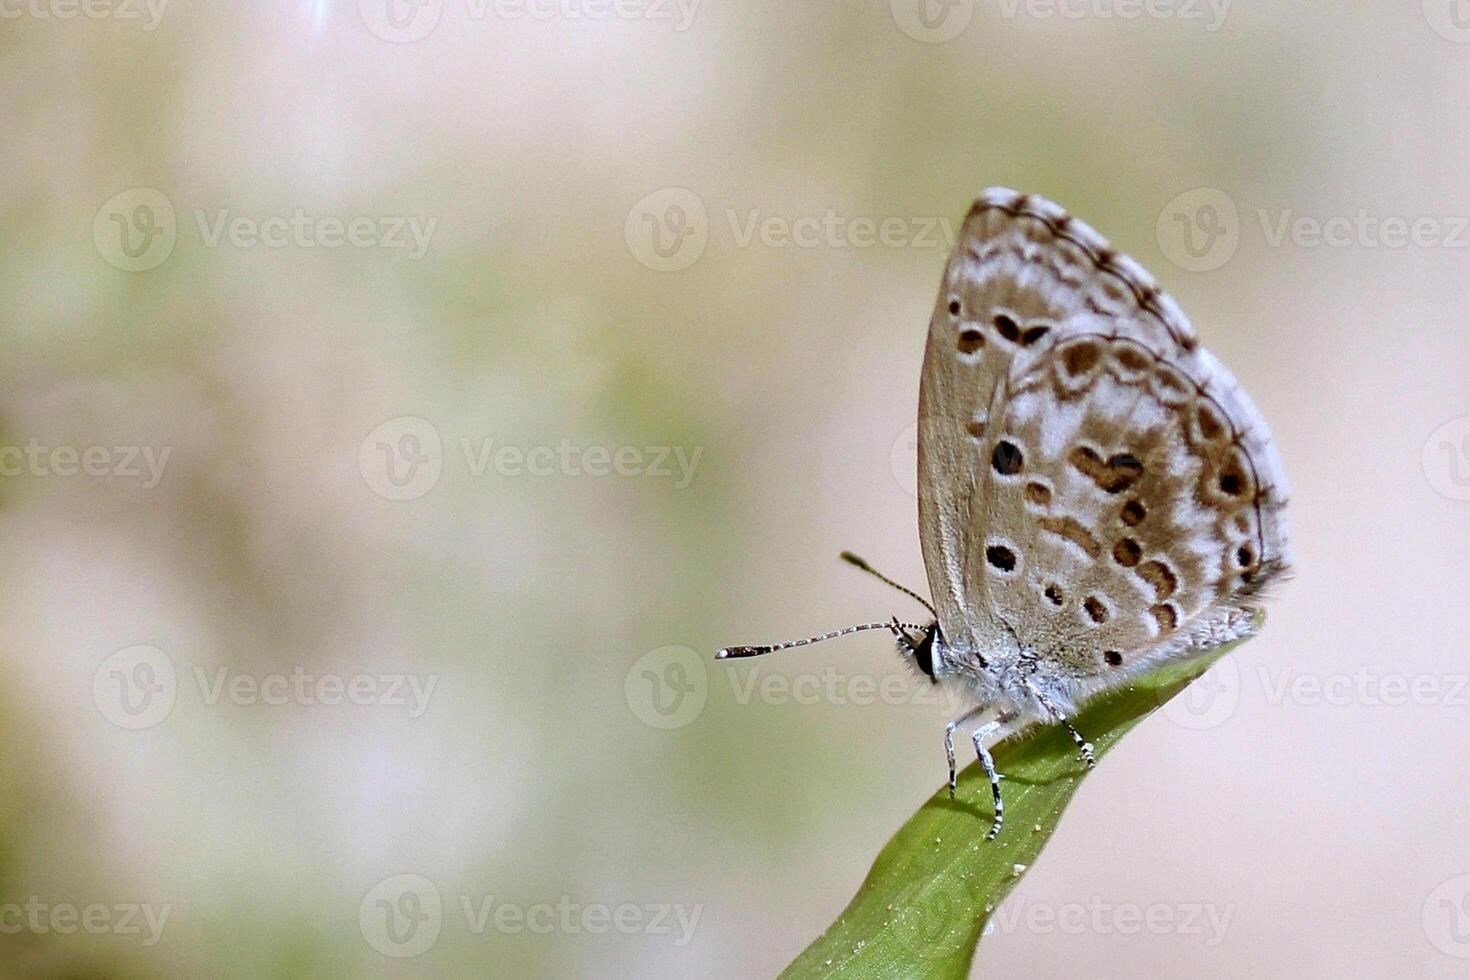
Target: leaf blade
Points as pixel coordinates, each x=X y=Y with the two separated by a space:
x=923 y=906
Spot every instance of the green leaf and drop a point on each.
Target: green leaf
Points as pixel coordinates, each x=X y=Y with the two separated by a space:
x=924 y=905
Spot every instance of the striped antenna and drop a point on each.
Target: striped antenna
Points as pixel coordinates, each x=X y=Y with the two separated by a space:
x=737 y=653
x=853 y=559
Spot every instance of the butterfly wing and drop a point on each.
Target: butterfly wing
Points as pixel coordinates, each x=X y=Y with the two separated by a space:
x=1092 y=483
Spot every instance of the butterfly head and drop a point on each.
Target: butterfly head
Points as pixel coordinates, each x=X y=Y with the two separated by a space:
x=924 y=651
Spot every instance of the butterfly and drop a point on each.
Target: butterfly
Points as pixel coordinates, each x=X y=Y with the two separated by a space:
x=1097 y=495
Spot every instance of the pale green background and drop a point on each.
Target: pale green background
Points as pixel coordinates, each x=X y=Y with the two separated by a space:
x=1324 y=829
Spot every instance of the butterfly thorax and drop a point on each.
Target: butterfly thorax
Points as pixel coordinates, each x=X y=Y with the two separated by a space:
x=1004 y=676
x=996 y=676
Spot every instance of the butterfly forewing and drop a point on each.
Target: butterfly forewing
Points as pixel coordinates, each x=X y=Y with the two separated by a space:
x=1092 y=484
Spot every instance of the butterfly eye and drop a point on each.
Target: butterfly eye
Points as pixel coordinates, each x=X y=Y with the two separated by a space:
x=954 y=307
x=924 y=655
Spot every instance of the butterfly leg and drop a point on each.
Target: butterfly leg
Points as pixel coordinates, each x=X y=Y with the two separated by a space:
x=949 y=745
x=988 y=764
x=1084 y=747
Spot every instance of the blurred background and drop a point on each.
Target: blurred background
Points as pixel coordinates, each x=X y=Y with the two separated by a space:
x=400 y=402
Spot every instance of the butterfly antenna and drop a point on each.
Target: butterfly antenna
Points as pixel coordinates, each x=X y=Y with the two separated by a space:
x=853 y=559
x=736 y=653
